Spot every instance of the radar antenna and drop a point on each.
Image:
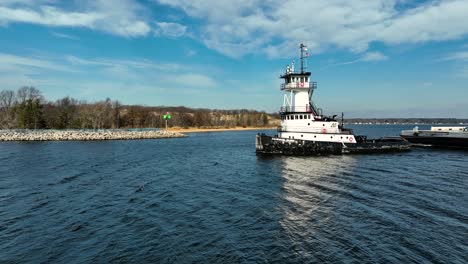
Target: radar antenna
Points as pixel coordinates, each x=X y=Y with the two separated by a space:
x=304 y=54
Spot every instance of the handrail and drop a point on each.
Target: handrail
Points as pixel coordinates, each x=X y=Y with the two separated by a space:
x=320 y=130
x=301 y=85
x=292 y=109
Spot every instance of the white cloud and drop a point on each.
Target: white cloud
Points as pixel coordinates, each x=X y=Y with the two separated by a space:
x=129 y=74
x=135 y=63
x=436 y=21
x=460 y=61
x=235 y=28
x=65 y=36
x=191 y=53
x=194 y=80
x=373 y=56
x=48 y=15
x=366 y=57
x=458 y=56
x=123 y=18
x=170 y=29
x=10 y=62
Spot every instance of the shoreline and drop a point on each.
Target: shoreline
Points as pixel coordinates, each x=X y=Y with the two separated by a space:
x=204 y=130
x=83 y=135
x=108 y=134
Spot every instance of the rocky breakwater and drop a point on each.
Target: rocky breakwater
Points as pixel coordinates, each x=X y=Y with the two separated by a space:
x=85 y=135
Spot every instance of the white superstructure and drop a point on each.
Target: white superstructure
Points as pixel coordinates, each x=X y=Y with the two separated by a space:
x=450 y=129
x=300 y=118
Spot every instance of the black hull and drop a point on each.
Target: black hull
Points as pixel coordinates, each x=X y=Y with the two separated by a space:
x=268 y=145
x=443 y=142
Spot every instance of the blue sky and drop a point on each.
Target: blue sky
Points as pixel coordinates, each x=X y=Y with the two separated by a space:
x=382 y=58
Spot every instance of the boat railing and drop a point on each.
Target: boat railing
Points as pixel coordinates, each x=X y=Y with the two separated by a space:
x=319 y=130
x=292 y=109
x=295 y=85
x=313 y=85
x=315 y=109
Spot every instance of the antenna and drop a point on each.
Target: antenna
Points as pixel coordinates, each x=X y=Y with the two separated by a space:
x=303 y=48
x=342 y=119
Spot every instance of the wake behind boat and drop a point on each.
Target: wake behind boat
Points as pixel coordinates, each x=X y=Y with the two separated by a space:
x=305 y=130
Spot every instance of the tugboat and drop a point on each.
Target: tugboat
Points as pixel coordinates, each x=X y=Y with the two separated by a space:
x=450 y=137
x=304 y=130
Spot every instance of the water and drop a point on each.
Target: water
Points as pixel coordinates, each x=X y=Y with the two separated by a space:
x=209 y=199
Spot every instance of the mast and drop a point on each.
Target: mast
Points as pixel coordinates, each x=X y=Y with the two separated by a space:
x=298 y=86
x=303 y=49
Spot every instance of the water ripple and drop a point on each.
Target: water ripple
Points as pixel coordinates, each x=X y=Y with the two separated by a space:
x=208 y=198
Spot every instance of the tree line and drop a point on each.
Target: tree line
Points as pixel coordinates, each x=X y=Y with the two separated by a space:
x=27 y=108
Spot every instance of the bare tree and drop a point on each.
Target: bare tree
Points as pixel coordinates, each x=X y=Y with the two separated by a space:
x=7 y=102
x=28 y=93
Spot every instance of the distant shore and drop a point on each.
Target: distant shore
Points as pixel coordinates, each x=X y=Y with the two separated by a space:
x=84 y=135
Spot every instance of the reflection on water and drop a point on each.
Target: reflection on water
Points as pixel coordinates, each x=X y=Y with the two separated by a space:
x=310 y=183
x=304 y=186
x=376 y=207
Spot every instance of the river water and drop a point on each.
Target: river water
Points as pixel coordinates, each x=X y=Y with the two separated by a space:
x=208 y=198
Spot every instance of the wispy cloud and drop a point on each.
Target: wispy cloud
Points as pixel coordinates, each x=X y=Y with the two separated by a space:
x=122 y=18
x=462 y=72
x=460 y=59
x=194 y=80
x=191 y=53
x=72 y=72
x=9 y=61
x=133 y=63
x=367 y=57
x=65 y=36
x=170 y=29
x=457 y=56
x=373 y=56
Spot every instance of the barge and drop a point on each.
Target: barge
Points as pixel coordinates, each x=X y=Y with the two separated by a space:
x=305 y=130
x=446 y=137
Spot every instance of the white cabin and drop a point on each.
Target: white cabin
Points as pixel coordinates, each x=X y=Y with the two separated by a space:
x=450 y=129
x=300 y=118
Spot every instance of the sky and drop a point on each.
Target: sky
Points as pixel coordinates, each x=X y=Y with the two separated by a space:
x=379 y=58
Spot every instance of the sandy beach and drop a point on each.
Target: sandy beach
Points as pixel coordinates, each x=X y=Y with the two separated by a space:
x=196 y=130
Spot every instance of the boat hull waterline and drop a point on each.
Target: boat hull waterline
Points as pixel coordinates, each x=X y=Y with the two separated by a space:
x=272 y=145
